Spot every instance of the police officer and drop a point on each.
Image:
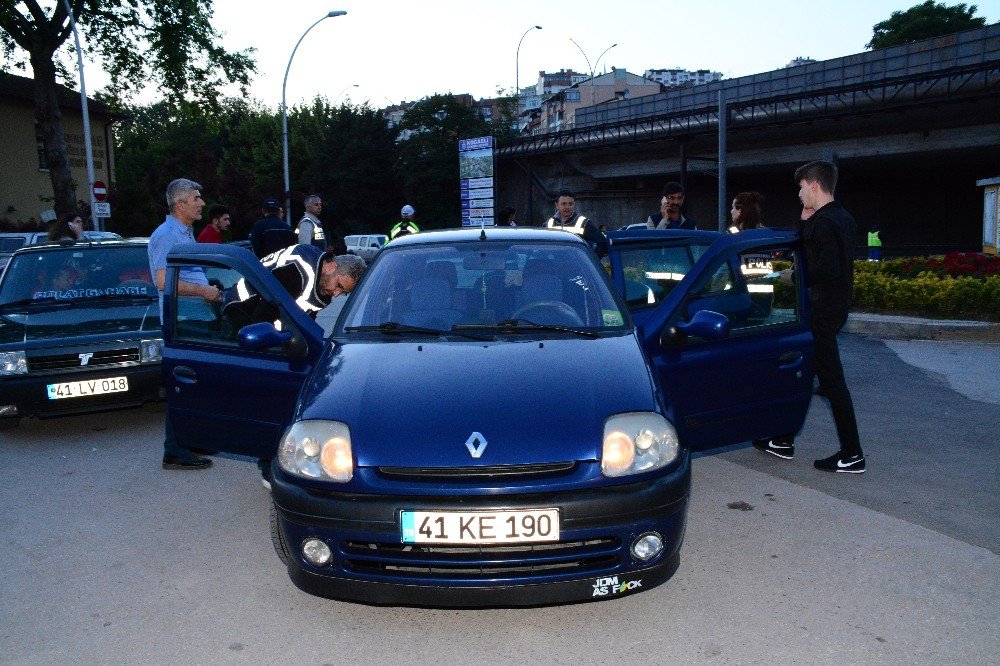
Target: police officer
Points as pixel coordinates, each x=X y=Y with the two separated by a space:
x=310 y=229
x=271 y=233
x=311 y=276
x=406 y=225
x=566 y=219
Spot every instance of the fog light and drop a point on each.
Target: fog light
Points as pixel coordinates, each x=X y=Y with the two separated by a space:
x=316 y=552
x=647 y=546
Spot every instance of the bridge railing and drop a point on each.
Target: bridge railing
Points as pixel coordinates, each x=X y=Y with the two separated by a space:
x=959 y=50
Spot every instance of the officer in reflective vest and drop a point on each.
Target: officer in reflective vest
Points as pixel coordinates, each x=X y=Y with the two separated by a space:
x=406 y=225
x=566 y=219
x=310 y=229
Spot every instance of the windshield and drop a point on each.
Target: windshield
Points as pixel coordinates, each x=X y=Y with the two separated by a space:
x=485 y=284
x=77 y=273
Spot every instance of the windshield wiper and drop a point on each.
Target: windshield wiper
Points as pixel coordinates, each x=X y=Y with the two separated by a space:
x=47 y=300
x=526 y=325
x=395 y=328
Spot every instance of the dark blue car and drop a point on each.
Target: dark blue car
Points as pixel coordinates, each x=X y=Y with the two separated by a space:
x=494 y=419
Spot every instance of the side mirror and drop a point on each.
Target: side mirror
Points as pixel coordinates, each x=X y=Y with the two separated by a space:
x=261 y=337
x=704 y=324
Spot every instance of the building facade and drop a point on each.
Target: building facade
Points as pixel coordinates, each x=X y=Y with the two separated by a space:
x=558 y=111
x=674 y=78
x=25 y=185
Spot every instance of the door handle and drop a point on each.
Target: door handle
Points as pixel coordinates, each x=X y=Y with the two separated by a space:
x=185 y=375
x=790 y=358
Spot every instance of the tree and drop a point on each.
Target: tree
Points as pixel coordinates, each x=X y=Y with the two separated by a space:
x=428 y=160
x=169 y=44
x=924 y=21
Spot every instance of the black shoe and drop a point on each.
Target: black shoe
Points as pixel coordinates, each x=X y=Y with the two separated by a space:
x=181 y=462
x=841 y=462
x=202 y=452
x=784 y=449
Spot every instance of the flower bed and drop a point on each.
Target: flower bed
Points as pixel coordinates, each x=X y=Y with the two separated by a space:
x=958 y=285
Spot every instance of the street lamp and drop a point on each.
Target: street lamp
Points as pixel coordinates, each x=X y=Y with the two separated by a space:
x=353 y=85
x=284 y=114
x=517 y=71
x=593 y=90
x=86 y=119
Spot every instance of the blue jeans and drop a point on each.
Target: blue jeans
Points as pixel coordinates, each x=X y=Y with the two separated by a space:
x=875 y=253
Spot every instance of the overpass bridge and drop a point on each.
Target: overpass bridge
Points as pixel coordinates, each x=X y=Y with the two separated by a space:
x=911 y=127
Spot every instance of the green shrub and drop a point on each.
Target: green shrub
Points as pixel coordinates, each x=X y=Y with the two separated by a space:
x=928 y=294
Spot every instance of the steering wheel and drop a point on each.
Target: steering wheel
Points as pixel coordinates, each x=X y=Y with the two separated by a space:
x=549 y=312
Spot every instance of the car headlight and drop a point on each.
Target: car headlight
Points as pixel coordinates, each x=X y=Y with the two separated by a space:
x=637 y=442
x=13 y=363
x=151 y=351
x=317 y=450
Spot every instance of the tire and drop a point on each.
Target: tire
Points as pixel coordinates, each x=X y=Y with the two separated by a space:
x=9 y=423
x=277 y=540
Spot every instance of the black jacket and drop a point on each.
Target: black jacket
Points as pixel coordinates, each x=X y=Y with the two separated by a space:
x=270 y=235
x=829 y=241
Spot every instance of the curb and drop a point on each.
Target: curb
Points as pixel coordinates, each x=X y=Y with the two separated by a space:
x=914 y=328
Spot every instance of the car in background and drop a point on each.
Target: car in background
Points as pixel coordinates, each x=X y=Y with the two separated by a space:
x=79 y=329
x=490 y=422
x=365 y=246
x=15 y=240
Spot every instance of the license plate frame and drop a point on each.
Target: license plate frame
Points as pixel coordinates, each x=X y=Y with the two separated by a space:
x=480 y=527
x=86 y=388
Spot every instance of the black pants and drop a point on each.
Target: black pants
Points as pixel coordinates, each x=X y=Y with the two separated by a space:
x=831 y=381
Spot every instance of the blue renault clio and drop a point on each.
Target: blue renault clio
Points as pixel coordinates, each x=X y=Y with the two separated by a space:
x=496 y=418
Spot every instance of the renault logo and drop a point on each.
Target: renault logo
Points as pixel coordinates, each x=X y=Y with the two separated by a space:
x=85 y=358
x=476 y=445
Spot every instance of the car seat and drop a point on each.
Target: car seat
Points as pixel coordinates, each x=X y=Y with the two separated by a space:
x=431 y=305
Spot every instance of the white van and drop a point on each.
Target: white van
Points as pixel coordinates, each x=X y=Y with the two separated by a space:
x=365 y=247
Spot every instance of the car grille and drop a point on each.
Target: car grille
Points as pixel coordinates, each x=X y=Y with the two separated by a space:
x=478 y=472
x=497 y=561
x=103 y=358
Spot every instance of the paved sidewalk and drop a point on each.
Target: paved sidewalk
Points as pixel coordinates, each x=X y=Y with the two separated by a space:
x=915 y=328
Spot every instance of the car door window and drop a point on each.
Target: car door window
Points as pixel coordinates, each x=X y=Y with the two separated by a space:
x=652 y=272
x=218 y=324
x=746 y=288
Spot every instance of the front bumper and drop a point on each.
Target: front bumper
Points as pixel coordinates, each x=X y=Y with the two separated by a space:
x=592 y=560
x=28 y=392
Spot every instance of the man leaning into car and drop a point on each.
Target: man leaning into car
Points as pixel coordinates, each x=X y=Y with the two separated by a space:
x=184 y=203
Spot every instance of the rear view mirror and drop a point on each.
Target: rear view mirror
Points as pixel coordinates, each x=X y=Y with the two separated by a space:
x=263 y=336
x=704 y=324
x=484 y=262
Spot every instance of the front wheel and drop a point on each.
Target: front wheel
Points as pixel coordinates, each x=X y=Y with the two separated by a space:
x=277 y=540
x=9 y=423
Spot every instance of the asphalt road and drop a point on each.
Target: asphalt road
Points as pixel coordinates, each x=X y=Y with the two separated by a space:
x=106 y=558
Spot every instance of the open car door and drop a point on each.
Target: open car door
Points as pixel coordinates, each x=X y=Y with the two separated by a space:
x=232 y=386
x=730 y=342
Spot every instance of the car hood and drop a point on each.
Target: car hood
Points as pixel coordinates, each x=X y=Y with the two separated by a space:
x=61 y=322
x=412 y=404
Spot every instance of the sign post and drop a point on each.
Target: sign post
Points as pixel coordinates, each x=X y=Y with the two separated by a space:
x=475 y=165
x=102 y=209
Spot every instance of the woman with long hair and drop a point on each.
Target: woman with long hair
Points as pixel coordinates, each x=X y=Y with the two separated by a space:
x=69 y=226
x=746 y=212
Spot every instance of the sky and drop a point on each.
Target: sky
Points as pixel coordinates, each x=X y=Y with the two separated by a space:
x=398 y=50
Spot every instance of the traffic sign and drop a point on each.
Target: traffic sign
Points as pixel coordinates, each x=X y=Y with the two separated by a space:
x=100 y=190
x=102 y=209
